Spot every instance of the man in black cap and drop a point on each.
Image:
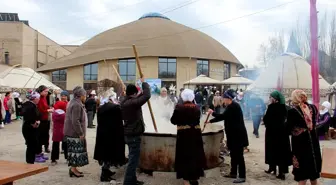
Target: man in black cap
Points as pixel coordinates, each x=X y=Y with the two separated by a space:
x=134 y=127
x=236 y=134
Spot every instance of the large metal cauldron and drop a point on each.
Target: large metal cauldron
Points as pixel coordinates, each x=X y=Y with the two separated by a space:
x=158 y=150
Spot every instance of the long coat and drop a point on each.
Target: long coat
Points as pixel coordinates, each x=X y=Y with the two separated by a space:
x=189 y=157
x=235 y=129
x=307 y=160
x=277 y=145
x=110 y=144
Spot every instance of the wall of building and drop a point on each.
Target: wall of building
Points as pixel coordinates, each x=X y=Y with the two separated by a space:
x=22 y=41
x=234 y=70
x=74 y=77
x=71 y=48
x=11 y=41
x=106 y=71
x=149 y=66
x=186 y=70
x=216 y=70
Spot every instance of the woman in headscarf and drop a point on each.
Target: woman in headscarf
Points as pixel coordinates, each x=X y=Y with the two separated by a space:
x=58 y=118
x=324 y=120
x=277 y=146
x=110 y=145
x=301 y=121
x=236 y=134
x=189 y=158
x=75 y=132
x=31 y=122
x=18 y=105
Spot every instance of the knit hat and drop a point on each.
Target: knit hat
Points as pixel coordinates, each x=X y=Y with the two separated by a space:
x=64 y=93
x=131 y=89
x=230 y=94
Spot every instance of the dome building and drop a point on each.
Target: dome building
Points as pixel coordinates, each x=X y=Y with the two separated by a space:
x=168 y=51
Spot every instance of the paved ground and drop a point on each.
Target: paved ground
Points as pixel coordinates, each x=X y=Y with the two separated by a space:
x=12 y=148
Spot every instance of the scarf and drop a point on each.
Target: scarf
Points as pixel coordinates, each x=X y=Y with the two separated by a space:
x=278 y=96
x=326 y=106
x=299 y=98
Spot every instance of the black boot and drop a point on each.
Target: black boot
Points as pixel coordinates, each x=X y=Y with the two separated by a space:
x=271 y=169
x=193 y=182
x=106 y=176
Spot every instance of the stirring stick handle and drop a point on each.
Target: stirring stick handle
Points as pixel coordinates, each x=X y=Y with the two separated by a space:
x=141 y=75
x=206 y=122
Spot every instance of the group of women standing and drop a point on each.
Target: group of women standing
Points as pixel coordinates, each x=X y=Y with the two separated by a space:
x=299 y=121
x=70 y=122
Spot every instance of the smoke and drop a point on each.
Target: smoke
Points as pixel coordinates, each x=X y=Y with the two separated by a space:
x=162 y=114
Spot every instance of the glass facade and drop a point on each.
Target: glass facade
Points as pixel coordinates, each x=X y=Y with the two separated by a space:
x=167 y=67
x=202 y=67
x=91 y=72
x=59 y=78
x=127 y=70
x=227 y=70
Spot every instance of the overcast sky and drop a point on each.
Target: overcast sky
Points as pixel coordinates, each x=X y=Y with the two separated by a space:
x=75 y=21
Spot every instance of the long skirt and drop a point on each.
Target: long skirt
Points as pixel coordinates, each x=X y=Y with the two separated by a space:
x=77 y=152
x=190 y=159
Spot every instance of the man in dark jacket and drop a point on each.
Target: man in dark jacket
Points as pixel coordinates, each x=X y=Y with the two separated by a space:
x=134 y=127
x=90 y=106
x=236 y=134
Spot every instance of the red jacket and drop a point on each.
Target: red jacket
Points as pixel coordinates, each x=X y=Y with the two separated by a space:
x=43 y=108
x=6 y=103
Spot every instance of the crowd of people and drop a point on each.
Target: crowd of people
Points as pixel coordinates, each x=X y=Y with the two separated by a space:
x=70 y=119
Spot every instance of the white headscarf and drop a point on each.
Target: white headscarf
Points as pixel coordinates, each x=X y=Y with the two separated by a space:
x=326 y=106
x=187 y=95
x=16 y=94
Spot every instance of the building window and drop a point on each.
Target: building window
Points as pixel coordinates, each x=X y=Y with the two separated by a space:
x=167 y=67
x=91 y=72
x=59 y=78
x=7 y=57
x=127 y=70
x=203 y=67
x=227 y=71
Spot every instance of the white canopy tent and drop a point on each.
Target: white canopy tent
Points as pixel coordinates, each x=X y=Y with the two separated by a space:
x=201 y=80
x=25 y=78
x=290 y=72
x=237 y=82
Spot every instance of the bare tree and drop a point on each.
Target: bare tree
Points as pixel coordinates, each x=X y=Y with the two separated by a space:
x=332 y=36
x=262 y=54
x=272 y=49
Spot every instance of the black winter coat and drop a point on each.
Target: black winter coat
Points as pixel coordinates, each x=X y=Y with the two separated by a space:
x=234 y=126
x=132 y=113
x=110 y=145
x=277 y=145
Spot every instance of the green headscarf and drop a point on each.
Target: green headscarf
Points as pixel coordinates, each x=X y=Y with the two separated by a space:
x=278 y=96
